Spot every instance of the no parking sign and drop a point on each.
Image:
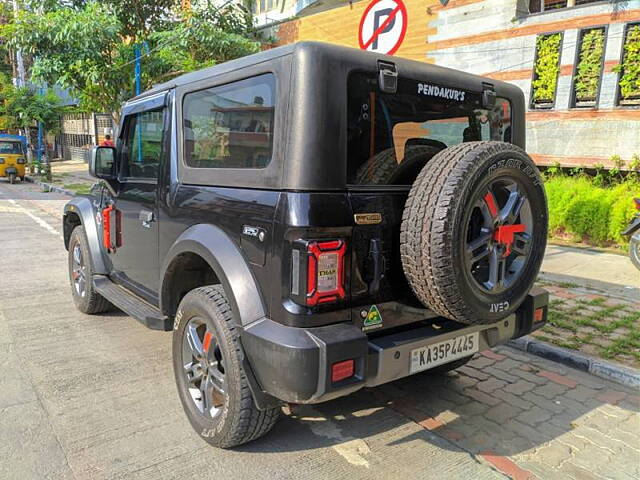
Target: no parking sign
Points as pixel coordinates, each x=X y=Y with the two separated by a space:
x=382 y=26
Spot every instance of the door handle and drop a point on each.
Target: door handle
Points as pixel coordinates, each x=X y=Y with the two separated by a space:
x=146 y=217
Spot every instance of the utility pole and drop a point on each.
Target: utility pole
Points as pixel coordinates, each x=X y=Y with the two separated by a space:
x=138 y=68
x=20 y=63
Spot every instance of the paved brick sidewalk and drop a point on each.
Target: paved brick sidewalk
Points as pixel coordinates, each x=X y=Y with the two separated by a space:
x=590 y=321
x=526 y=416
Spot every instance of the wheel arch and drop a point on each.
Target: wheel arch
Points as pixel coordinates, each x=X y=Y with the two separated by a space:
x=79 y=211
x=228 y=267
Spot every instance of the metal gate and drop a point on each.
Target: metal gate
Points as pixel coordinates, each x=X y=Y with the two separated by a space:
x=81 y=131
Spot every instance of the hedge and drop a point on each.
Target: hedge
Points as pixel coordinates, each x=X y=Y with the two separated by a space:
x=589 y=213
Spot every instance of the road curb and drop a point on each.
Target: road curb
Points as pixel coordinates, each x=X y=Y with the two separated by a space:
x=616 y=373
x=50 y=187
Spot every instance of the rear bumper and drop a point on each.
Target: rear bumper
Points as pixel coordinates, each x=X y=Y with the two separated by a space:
x=294 y=364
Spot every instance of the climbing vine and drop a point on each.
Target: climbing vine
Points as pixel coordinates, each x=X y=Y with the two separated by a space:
x=629 y=69
x=589 y=65
x=546 y=68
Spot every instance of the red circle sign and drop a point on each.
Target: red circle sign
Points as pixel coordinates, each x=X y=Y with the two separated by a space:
x=382 y=26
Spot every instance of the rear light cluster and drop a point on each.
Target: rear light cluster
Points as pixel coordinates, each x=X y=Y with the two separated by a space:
x=637 y=202
x=319 y=265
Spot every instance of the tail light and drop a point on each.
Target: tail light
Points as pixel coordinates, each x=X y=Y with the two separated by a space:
x=111 y=228
x=637 y=202
x=322 y=269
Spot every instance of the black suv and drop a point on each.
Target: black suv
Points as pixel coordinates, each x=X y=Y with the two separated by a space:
x=312 y=220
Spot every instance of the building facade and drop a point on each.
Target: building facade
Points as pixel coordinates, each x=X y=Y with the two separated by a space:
x=575 y=60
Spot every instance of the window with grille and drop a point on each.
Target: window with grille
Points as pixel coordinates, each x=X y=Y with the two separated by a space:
x=538 y=6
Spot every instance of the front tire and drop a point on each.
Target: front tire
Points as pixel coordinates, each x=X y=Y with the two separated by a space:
x=12 y=178
x=208 y=367
x=85 y=297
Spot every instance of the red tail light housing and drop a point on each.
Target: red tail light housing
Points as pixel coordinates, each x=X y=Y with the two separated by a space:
x=318 y=271
x=637 y=202
x=325 y=271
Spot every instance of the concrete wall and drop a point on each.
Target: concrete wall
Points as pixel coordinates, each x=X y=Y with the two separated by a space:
x=497 y=38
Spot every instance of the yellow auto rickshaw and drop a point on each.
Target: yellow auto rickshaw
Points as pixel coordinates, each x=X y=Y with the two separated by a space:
x=12 y=158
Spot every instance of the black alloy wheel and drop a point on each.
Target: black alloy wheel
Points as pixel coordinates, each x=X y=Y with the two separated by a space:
x=203 y=368
x=498 y=235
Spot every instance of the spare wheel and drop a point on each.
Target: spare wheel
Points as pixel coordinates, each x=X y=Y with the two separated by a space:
x=474 y=231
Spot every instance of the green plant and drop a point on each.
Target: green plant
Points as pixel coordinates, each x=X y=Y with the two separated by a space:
x=546 y=68
x=555 y=169
x=629 y=69
x=588 y=212
x=589 y=65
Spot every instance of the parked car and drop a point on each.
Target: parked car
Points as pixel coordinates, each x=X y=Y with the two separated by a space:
x=312 y=220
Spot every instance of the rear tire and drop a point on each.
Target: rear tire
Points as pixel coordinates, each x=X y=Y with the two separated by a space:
x=474 y=231
x=212 y=383
x=85 y=297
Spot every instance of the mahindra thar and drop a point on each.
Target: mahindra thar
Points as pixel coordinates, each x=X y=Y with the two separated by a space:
x=312 y=220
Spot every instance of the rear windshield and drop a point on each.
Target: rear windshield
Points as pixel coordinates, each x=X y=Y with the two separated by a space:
x=10 y=147
x=392 y=136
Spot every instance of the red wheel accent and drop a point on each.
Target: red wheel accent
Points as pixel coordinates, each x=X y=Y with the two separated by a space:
x=491 y=204
x=206 y=343
x=504 y=235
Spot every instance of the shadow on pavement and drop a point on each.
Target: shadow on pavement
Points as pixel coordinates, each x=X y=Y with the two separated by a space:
x=502 y=405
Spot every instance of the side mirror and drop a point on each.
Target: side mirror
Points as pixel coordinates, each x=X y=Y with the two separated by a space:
x=102 y=163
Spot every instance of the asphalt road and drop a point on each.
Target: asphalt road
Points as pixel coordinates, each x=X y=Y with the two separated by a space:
x=93 y=397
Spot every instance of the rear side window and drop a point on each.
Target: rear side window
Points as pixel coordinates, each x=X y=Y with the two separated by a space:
x=392 y=136
x=230 y=126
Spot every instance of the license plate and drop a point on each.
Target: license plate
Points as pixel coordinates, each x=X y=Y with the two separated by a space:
x=424 y=358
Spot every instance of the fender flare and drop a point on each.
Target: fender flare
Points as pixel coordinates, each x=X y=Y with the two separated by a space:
x=227 y=262
x=83 y=208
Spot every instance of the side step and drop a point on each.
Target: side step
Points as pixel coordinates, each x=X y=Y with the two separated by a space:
x=131 y=304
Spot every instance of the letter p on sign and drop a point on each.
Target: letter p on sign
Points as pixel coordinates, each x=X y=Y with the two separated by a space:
x=383 y=26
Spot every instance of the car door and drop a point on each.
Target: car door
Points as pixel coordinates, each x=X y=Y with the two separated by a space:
x=135 y=261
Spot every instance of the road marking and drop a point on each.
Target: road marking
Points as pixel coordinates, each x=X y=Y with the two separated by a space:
x=38 y=220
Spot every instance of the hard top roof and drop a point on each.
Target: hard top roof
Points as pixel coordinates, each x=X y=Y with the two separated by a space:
x=308 y=48
x=225 y=67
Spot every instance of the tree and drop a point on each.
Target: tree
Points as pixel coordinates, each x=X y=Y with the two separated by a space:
x=23 y=107
x=137 y=18
x=89 y=51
